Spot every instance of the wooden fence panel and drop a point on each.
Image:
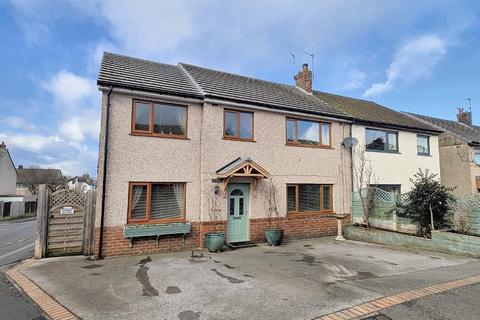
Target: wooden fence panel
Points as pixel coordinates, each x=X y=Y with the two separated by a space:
x=65 y=223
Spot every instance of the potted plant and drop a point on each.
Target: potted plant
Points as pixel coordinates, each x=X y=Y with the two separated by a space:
x=215 y=239
x=273 y=232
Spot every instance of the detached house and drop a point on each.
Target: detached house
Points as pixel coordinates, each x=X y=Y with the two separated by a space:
x=190 y=145
x=459 y=152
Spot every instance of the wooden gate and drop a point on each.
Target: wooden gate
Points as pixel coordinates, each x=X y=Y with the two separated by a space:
x=64 y=222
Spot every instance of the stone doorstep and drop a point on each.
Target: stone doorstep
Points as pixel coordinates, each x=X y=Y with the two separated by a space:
x=371 y=308
x=51 y=308
x=56 y=311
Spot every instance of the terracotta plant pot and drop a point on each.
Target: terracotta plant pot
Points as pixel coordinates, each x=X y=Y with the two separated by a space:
x=214 y=241
x=274 y=237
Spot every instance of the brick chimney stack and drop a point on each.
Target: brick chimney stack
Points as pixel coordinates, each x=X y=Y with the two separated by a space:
x=3 y=146
x=303 y=79
x=464 y=117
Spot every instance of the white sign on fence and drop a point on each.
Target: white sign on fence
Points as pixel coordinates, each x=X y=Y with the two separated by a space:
x=67 y=210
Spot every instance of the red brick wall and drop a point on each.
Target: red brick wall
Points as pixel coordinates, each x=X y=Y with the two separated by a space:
x=295 y=227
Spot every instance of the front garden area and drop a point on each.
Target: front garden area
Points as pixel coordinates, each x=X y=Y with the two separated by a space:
x=428 y=217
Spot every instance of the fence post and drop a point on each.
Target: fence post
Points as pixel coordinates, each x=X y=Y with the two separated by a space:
x=88 y=226
x=42 y=222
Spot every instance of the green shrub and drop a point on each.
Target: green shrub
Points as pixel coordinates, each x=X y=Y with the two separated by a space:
x=428 y=196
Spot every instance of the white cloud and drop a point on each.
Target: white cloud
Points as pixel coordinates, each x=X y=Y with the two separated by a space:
x=413 y=61
x=30 y=142
x=16 y=122
x=50 y=151
x=69 y=90
x=78 y=128
x=356 y=79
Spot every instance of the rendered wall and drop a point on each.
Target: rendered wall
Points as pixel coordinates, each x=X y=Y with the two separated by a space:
x=398 y=168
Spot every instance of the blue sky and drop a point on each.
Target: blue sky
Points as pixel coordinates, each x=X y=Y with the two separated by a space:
x=417 y=56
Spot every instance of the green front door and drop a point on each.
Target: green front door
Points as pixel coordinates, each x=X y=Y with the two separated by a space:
x=237 y=211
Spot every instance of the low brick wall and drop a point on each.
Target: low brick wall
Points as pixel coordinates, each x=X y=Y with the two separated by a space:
x=295 y=227
x=441 y=241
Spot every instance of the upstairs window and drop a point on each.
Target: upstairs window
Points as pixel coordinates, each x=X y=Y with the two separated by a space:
x=238 y=125
x=308 y=133
x=380 y=140
x=477 y=158
x=423 y=145
x=156 y=202
x=309 y=198
x=156 y=119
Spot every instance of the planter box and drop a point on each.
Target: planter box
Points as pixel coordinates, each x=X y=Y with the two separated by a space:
x=441 y=241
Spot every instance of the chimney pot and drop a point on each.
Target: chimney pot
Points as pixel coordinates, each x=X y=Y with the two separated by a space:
x=3 y=146
x=303 y=79
x=464 y=117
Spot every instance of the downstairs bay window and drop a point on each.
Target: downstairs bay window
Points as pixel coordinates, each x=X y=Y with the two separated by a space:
x=309 y=198
x=152 y=202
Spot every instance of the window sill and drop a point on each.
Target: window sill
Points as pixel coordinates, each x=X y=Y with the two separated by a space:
x=238 y=139
x=306 y=214
x=380 y=151
x=165 y=221
x=137 y=134
x=308 y=146
x=424 y=155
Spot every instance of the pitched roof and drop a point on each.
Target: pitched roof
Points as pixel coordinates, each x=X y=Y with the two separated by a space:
x=128 y=72
x=371 y=112
x=469 y=134
x=4 y=152
x=40 y=176
x=189 y=80
x=239 y=88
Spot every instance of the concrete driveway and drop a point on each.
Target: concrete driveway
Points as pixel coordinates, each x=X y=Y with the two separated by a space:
x=300 y=280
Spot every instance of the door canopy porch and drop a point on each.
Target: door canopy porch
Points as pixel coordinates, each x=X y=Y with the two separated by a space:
x=241 y=167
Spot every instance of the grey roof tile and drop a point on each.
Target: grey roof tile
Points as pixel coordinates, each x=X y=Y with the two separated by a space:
x=250 y=90
x=123 y=71
x=470 y=134
x=371 y=112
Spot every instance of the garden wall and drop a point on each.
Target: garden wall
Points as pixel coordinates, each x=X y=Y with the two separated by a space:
x=441 y=241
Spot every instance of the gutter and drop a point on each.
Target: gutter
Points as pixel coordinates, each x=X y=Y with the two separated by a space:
x=104 y=178
x=146 y=93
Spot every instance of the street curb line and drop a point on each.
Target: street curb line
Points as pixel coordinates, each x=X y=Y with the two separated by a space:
x=50 y=306
x=371 y=307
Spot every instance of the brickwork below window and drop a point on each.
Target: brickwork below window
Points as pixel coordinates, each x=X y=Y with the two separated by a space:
x=295 y=227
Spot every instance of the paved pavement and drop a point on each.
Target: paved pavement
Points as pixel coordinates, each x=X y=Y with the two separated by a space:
x=458 y=304
x=17 y=240
x=301 y=280
x=13 y=306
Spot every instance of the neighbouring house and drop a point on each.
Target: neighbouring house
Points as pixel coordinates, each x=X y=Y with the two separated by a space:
x=29 y=179
x=395 y=145
x=459 y=152
x=11 y=204
x=191 y=144
x=81 y=183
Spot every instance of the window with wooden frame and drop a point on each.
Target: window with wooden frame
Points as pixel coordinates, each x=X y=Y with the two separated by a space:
x=237 y=125
x=159 y=119
x=308 y=133
x=152 y=202
x=309 y=198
